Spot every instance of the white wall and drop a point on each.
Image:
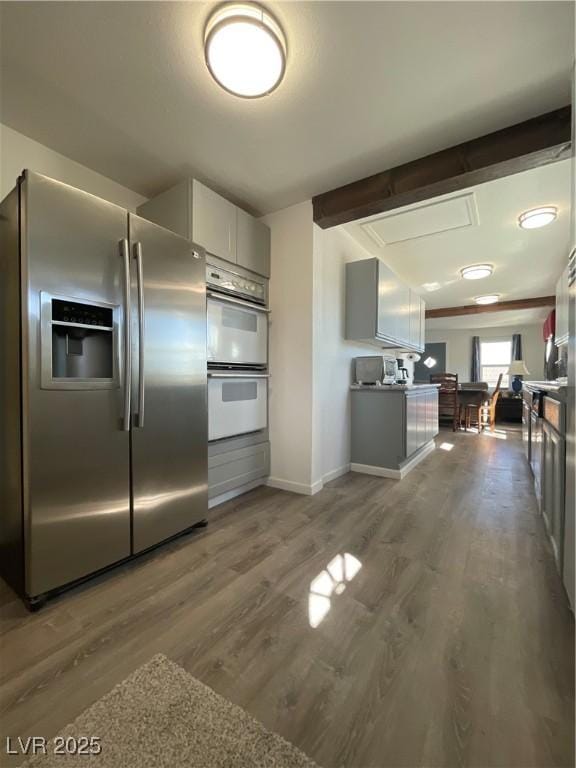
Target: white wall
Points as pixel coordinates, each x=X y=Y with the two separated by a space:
x=310 y=361
x=291 y=324
x=18 y=152
x=459 y=347
x=333 y=355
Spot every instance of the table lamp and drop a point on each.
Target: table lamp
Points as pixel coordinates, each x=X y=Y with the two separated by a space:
x=517 y=369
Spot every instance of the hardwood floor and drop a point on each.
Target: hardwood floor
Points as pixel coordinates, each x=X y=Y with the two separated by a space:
x=453 y=645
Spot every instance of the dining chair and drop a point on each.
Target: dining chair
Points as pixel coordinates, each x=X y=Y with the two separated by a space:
x=488 y=409
x=471 y=408
x=448 y=405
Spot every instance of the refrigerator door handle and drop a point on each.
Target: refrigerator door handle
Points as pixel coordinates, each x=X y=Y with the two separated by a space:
x=125 y=252
x=141 y=335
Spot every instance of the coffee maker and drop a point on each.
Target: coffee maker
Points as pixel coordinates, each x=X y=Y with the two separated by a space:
x=402 y=376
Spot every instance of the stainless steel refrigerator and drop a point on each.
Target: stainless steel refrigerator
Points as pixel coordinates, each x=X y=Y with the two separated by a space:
x=103 y=446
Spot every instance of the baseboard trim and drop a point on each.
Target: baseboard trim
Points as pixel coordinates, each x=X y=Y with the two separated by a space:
x=336 y=473
x=294 y=487
x=303 y=488
x=369 y=469
x=395 y=474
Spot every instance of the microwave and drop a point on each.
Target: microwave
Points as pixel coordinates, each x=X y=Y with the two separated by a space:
x=375 y=369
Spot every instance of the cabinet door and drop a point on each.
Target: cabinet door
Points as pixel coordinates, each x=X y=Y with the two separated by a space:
x=253 y=243
x=213 y=222
x=429 y=416
x=422 y=340
x=434 y=413
x=415 y=320
x=411 y=424
x=422 y=419
x=547 y=476
x=393 y=307
x=553 y=488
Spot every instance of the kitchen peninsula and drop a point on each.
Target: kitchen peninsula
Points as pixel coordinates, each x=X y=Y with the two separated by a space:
x=393 y=427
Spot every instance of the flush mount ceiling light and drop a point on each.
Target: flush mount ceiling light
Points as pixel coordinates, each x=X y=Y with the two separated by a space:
x=537 y=217
x=490 y=298
x=476 y=271
x=245 y=50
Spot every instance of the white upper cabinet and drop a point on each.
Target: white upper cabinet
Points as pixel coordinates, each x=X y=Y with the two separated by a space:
x=381 y=309
x=253 y=243
x=213 y=222
x=195 y=211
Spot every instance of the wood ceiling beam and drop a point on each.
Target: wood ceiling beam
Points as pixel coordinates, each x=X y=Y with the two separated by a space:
x=501 y=306
x=536 y=142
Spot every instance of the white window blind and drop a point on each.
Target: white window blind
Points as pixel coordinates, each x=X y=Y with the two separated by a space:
x=495 y=358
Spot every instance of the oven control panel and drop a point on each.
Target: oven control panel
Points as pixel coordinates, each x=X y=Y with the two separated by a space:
x=228 y=282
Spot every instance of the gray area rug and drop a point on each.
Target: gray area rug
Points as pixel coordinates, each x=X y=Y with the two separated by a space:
x=161 y=716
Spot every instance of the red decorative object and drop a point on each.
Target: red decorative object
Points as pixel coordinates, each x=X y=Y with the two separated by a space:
x=549 y=325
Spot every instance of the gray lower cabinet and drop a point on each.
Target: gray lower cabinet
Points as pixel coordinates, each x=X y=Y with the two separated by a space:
x=237 y=462
x=421 y=418
x=391 y=425
x=553 y=468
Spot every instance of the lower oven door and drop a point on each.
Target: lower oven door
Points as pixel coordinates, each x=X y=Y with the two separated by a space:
x=237 y=332
x=237 y=404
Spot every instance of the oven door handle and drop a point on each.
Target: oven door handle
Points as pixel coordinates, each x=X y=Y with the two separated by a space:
x=233 y=300
x=239 y=375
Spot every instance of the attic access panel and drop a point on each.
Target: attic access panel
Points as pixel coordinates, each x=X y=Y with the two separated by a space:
x=427 y=219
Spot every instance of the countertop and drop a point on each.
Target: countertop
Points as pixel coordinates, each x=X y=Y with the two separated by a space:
x=545 y=386
x=394 y=387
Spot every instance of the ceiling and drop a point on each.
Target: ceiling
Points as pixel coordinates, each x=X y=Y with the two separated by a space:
x=480 y=225
x=516 y=318
x=122 y=88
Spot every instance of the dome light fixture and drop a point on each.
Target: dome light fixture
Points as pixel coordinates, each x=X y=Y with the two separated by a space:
x=245 y=49
x=490 y=298
x=537 y=217
x=477 y=271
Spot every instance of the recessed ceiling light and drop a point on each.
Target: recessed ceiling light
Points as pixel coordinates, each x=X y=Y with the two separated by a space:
x=537 y=217
x=490 y=298
x=477 y=271
x=245 y=49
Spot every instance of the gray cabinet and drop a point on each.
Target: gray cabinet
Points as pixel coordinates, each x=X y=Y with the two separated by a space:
x=421 y=418
x=391 y=426
x=553 y=474
x=253 y=243
x=234 y=463
x=553 y=487
x=412 y=417
x=381 y=309
x=195 y=211
x=213 y=222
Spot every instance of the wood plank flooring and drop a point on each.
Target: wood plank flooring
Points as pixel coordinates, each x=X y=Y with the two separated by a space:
x=452 y=646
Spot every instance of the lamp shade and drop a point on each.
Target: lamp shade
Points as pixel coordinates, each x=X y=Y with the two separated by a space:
x=518 y=368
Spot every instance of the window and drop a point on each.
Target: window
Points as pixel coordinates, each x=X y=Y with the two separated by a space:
x=495 y=358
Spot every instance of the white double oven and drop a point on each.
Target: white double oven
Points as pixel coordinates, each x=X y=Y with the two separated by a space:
x=237 y=350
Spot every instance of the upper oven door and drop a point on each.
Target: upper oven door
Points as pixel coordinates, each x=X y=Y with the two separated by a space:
x=237 y=332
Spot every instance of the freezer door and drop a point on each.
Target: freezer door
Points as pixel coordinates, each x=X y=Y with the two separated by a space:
x=76 y=454
x=169 y=430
